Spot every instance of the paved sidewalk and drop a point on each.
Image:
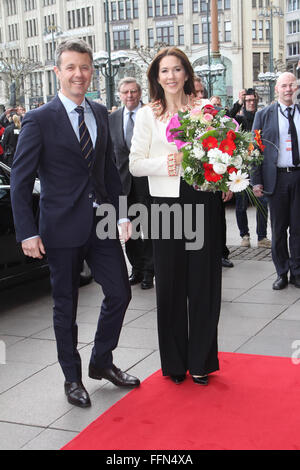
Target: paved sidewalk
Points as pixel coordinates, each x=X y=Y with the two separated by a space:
x=34 y=413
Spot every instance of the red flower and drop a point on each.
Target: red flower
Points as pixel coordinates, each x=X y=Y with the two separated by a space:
x=210 y=143
x=231 y=169
x=209 y=173
x=210 y=109
x=227 y=146
x=231 y=135
x=259 y=140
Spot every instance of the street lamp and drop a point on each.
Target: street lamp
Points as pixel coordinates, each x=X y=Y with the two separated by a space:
x=210 y=72
x=53 y=29
x=269 y=12
x=109 y=63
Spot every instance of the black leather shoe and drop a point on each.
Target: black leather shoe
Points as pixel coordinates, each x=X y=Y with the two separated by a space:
x=135 y=278
x=295 y=280
x=114 y=375
x=77 y=394
x=178 y=379
x=281 y=282
x=147 y=282
x=201 y=380
x=226 y=263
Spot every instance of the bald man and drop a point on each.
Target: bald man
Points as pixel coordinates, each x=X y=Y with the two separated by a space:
x=279 y=177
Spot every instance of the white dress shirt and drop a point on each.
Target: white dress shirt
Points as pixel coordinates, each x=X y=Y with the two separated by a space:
x=285 y=158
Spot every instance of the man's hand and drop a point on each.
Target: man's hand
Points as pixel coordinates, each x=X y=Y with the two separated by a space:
x=126 y=230
x=227 y=196
x=34 y=248
x=242 y=95
x=258 y=190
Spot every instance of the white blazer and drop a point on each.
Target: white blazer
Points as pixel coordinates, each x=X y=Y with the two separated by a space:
x=150 y=149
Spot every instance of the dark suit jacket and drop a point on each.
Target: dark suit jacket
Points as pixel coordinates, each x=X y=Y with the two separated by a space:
x=266 y=120
x=48 y=146
x=122 y=152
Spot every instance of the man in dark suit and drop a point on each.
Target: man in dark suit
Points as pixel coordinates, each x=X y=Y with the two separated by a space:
x=67 y=142
x=279 y=177
x=121 y=122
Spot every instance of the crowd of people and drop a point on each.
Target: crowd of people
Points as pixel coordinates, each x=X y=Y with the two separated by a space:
x=10 y=126
x=85 y=156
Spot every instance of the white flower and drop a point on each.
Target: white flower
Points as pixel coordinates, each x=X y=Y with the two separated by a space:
x=199 y=152
x=215 y=156
x=239 y=181
x=237 y=161
x=220 y=168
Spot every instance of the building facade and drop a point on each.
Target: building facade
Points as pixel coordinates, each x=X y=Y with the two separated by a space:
x=31 y=29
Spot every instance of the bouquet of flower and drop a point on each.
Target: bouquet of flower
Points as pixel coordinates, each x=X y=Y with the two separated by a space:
x=217 y=156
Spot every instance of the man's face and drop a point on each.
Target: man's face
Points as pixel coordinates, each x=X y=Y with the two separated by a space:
x=130 y=95
x=286 y=87
x=250 y=103
x=199 y=89
x=75 y=74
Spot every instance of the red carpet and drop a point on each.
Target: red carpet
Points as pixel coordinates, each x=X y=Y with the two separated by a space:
x=253 y=402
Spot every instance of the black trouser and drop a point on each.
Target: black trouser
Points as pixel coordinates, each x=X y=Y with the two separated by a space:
x=285 y=215
x=139 y=251
x=188 y=287
x=106 y=260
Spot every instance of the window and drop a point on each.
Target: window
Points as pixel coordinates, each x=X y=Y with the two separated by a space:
x=181 y=35
x=180 y=7
x=165 y=34
x=294 y=48
x=121 y=40
x=150 y=37
x=196 y=38
x=150 y=8
x=253 y=29
x=195 y=6
x=293 y=27
x=135 y=9
x=256 y=65
x=293 y=5
x=227 y=28
x=260 y=30
x=136 y=35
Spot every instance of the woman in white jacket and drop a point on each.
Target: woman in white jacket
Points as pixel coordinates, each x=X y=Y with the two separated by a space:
x=188 y=276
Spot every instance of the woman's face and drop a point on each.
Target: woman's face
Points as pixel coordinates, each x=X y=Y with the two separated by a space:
x=171 y=75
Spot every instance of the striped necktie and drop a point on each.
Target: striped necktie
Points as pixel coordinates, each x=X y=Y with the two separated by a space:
x=86 y=143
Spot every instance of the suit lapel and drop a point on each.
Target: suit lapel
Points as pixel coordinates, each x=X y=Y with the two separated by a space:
x=275 y=123
x=64 y=129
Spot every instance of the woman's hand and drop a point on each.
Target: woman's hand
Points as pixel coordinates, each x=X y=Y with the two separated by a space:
x=178 y=158
x=227 y=196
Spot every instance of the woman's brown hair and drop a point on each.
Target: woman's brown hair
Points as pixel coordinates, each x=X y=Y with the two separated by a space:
x=155 y=89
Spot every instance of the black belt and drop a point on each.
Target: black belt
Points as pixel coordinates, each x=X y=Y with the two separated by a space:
x=288 y=169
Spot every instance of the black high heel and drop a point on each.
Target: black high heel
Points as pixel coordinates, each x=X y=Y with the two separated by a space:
x=201 y=380
x=178 y=379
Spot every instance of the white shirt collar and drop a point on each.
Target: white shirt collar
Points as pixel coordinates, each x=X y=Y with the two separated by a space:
x=284 y=106
x=69 y=104
x=133 y=110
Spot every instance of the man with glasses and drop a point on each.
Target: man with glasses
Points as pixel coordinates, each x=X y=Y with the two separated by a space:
x=244 y=111
x=121 y=122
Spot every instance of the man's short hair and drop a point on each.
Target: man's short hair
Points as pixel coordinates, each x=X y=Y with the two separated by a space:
x=76 y=45
x=126 y=80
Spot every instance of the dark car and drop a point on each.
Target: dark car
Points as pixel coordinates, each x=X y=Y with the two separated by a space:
x=15 y=267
